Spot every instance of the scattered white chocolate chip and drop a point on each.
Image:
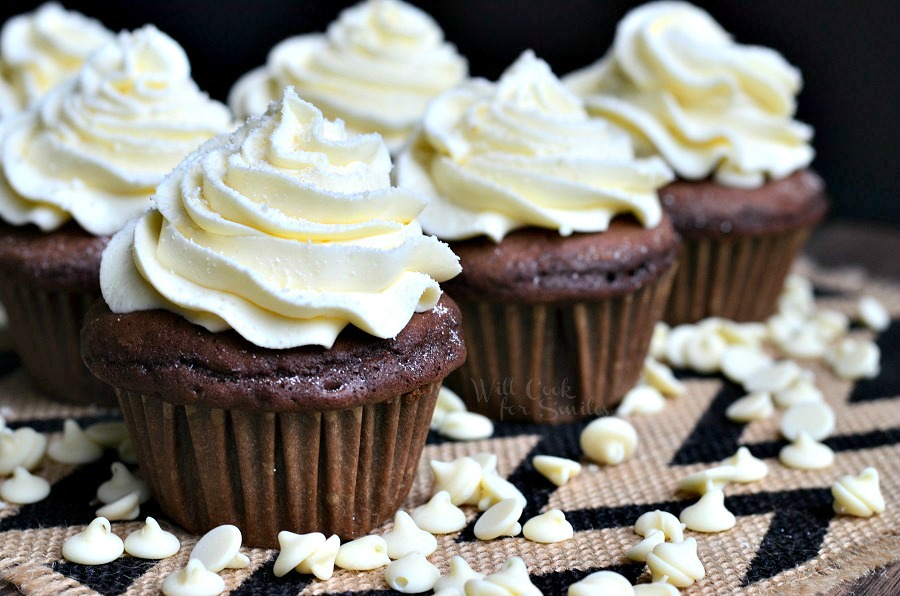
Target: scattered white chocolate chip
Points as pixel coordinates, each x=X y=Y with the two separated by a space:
x=774 y=377
x=805 y=453
x=447 y=401
x=747 y=467
x=439 y=516
x=23 y=447
x=220 y=548
x=321 y=562
x=873 y=314
x=557 y=470
x=642 y=399
x=658 y=341
x=122 y=483
x=660 y=377
x=363 y=554
x=703 y=351
x=663 y=521
x=805 y=342
x=151 y=542
x=639 y=551
x=495 y=488
x=412 y=574
x=717 y=477
x=406 y=537
x=678 y=561
x=193 y=580
x=125 y=508
x=460 y=477
x=294 y=549
x=782 y=325
x=797 y=296
x=466 y=426
x=605 y=583
x=739 y=363
x=853 y=359
x=755 y=406
x=108 y=435
x=801 y=391
x=676 y=341
x=511 y=580
x=74 y=447
x=487 y=461
x=95 y=545
x=548 y=527
x=860 y=495
x=743 y=334
x=609 y=440
x=500 y=520
x=658 y=588
x=23 y=488
x=709 y=514
x=126 y=452
x=830 y=324
x=817 y=419
x=455 y=581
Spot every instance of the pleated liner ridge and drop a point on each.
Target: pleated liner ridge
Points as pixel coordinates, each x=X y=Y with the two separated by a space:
x=46 y=330
x=554 y=363
x=736 y=278
x=338 y=472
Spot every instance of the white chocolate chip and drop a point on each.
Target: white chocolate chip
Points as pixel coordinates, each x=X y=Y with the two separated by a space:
x=782 y=325
x=747 y=467
x=658 y=341
x=678 y=561
x=74 y=447
x=642 y=399
x=487 y=461
x=220 y=548
x=548 y=527
x=860 y=495
x=294 y=549
x=830 y=324
x=773 y=377
x=406 y=537
x=873 y=314
x=151 y=542
x=817 y=419
x=412 y=574
x=657 y=588
x=708 y=514
x=466 y=426
x=805 y=453
x=557 y=470
x=495 y=488
x=193 y=580
x=23 y=488
x=605 y=583
x=743 y=334
x=108 y=435
x=460 y=477
x=717 y=477
x=438 y=516
x=755 y=406
x=126 y=452
x=797 y=296
x=703 y=351
x=363 y=554
x=321 y=562
x=455 y=581
x=741 y=362
x=609 y=440
x=805 y=342
x=122 y=483
x=663 y=521
x=853 y=359
x=500 y=520
x=676 y=343
x=447 y=401
x=125 y=508
x=661 y=377
x=511 y=580
x=95 y=545
x=801 y=391
x=639 y=551
x=23 y=447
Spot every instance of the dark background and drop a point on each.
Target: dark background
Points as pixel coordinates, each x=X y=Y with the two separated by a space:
x=847 y=51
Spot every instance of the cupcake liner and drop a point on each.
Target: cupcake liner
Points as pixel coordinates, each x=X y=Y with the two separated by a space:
x=45 y=327
x=338 y=472
x=737 y=278
x=554 y=363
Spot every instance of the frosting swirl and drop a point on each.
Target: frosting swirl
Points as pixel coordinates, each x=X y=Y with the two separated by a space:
x=494 y=157
x=41 y=49
x=95 y=148
x=286 y=231
x=684 y=89
x=376 y=68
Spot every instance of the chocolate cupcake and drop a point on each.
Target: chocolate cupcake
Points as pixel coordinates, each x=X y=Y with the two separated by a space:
x=275 y=331
x=74 y=169
x=721 y=114
x=567 y=258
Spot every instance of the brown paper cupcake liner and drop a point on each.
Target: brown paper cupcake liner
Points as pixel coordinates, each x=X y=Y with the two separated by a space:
x=45 y=327
x=735 y=278
x=338 y=472
x=555 y=363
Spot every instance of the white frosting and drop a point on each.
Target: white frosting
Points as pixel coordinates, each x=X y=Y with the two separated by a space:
x=376 y=68
x=193 y=580
x=412 y=574
x=295 y=548
x=548 y=527
x=609 y=440
x=455 y=581
x=152 y=542
x=466 y=426
x=607 y=583
x=678 y=561
x=73 y=447
x=220 y=548
x=406 y=537
x=95 y=545
x=439 y=515
x=501 y=519
x=557 y=470
x=95 y=148
x=494 y=157
x=286 y=231
x=122 y=483
x=684 y=89
x=24 y=488
x=858 y=495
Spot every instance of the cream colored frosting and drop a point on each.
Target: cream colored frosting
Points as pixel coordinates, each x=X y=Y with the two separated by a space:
x=494 y=157
x=95 y=148
x=376 y=68
x=286 y=231
x=41 y=49
x=684 y=89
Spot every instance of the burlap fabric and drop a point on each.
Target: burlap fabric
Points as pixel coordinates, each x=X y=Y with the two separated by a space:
x=787 y=538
